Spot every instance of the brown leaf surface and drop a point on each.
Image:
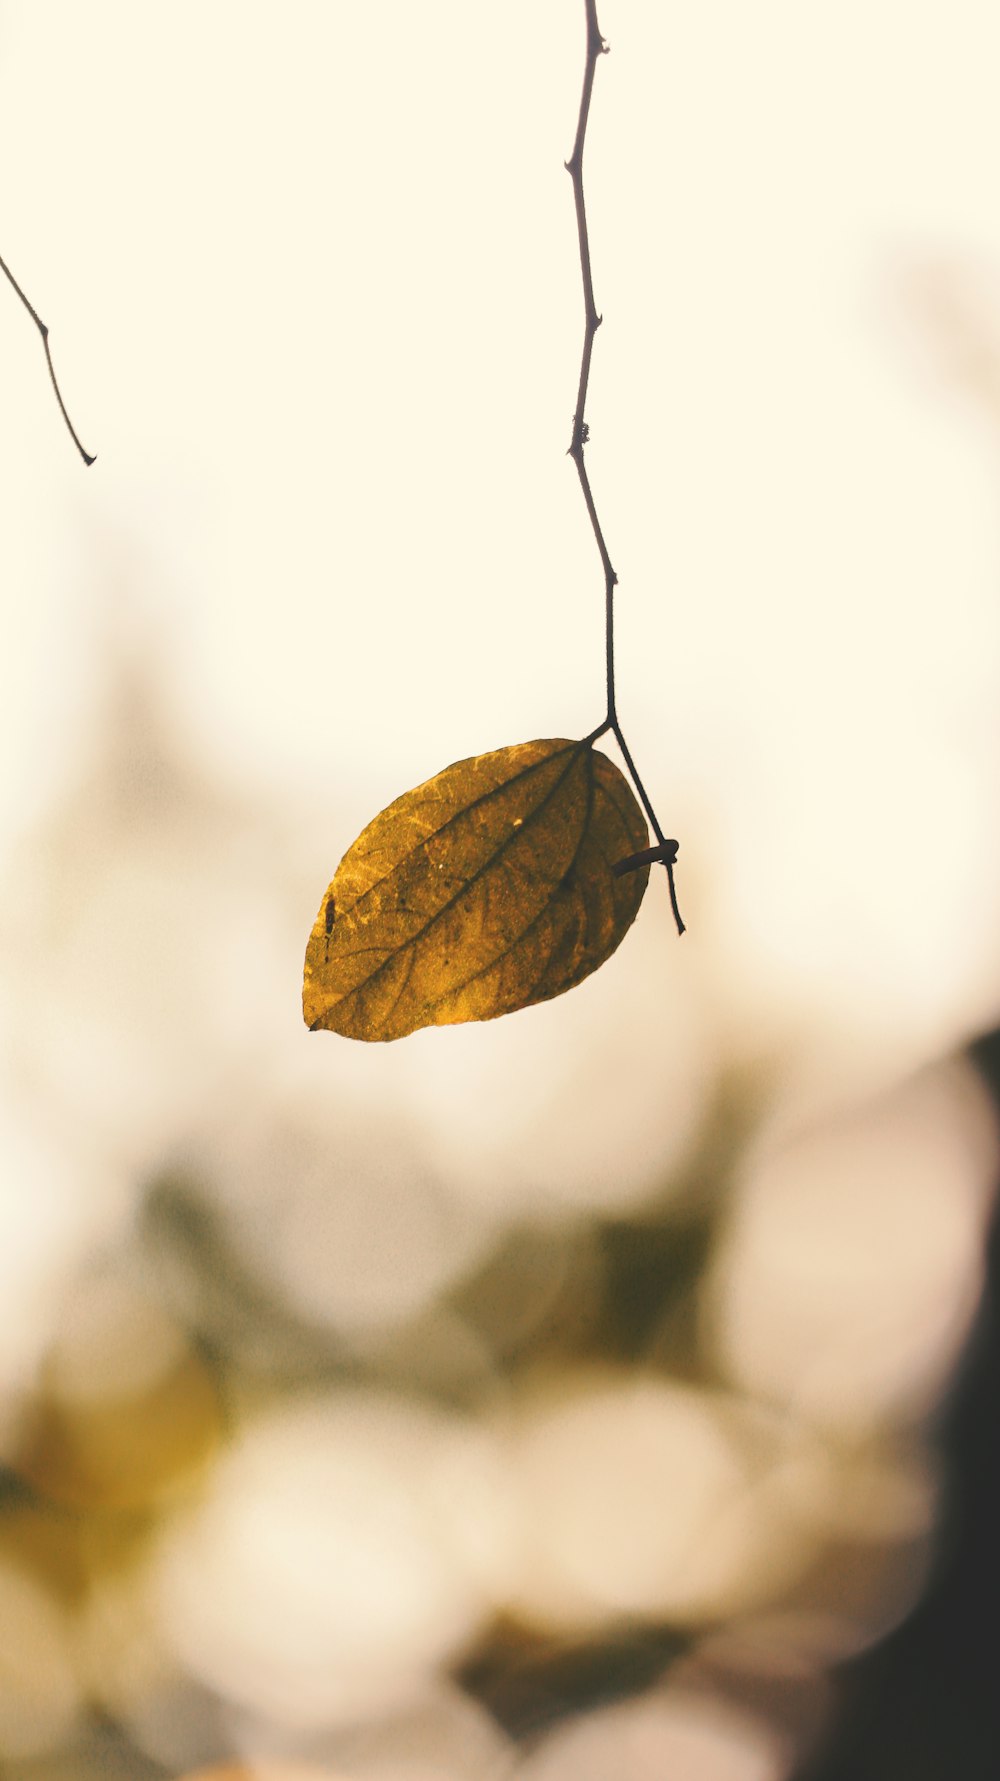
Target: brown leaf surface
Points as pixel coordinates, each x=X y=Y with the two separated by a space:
x=486 y=889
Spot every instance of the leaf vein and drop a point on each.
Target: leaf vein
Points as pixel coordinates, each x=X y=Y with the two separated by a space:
x=424 y=932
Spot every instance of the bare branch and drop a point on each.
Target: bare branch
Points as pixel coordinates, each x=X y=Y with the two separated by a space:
x=665 y=852
x=44 y=332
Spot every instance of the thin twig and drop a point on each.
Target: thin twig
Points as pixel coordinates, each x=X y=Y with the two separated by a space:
x=596 y=46
x=665 y=851
x=44 y=332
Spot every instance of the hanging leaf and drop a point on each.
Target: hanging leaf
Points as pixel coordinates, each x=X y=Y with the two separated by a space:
x=488 y=888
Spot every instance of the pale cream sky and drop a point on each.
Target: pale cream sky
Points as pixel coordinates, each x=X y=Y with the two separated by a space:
x=312 y=282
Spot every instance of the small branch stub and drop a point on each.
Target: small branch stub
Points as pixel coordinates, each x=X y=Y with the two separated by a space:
x=664 y=853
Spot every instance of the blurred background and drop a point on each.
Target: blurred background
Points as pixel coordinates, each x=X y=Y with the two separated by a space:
x=611 y=1389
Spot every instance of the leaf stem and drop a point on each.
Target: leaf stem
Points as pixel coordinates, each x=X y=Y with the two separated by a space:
x=666 y=851
x=44 y=332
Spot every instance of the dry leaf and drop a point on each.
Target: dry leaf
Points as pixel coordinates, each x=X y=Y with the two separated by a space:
x=486 y=889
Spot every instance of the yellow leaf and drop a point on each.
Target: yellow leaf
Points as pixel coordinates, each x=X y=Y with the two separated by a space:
x=486 y=889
